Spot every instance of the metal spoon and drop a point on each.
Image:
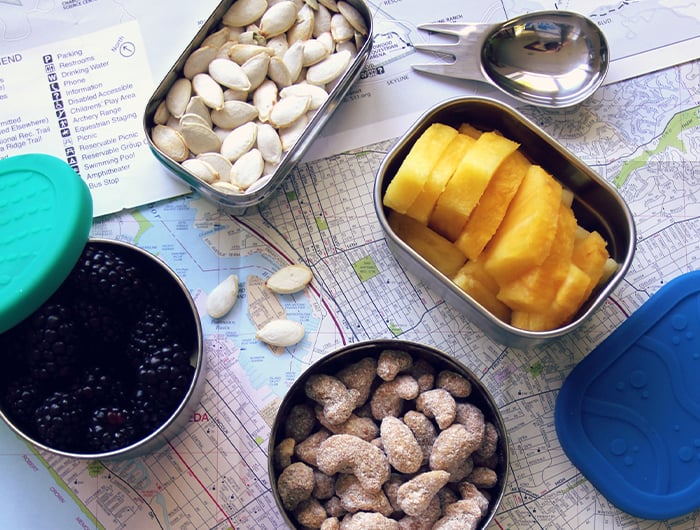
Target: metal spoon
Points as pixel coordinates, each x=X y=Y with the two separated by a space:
x=546 y=58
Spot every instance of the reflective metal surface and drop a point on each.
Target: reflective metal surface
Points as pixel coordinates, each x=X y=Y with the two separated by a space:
x=546 y=58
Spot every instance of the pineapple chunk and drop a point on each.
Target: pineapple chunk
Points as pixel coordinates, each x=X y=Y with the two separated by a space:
x=591 y=256
x=435 y=249
x=569 y=298
x=423 y=206
x=524 y=238
x=534 y=291
x=468 y=183
x=469 y=130
x=415 y=168
x=473 y=279
x=488 y=214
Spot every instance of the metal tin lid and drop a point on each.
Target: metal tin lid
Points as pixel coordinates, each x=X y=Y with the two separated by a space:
x=45 y=220
x=628 y=415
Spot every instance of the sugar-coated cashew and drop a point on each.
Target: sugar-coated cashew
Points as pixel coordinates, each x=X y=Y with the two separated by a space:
x=344 y=453
x=473 y=420
x=300 y=422
x=423 y=429
x=438 y=404
x=490 y=442
x=359 y=376
x=370 y=521
x=392 y=362
x=324 y=486
x=354 y=498
x=415 y=495
x=310 y=513
x=391 y=488
x=423 y=372
x=461 y=515
x=332 y=523
x=451 y=450
x=388 y=397
x=425 y=520
x=469 y=492
x=295 y=484
x=483 y=477
x=456 y=384
x=400 y=445
x=364 y=428
x=307 y=450
x=283 y=453
x=337 y=400
x=333 y=507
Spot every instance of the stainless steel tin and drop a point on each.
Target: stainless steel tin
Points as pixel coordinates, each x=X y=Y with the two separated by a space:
x=352 y=353
x=184 y=305
x=240 y=204
x=597 y=205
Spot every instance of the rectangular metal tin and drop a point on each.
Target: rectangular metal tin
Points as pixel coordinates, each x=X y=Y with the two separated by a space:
x=597 y=205
x=240 y=204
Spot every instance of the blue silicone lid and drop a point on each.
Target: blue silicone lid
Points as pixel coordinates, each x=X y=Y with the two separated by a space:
x=45 y=221
x=628 y=415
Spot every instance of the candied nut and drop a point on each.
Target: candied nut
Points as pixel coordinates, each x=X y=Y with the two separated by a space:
x=310 y=513
x=354 y=498
x=284 y=451
x=415 y=495
x=370 y=521
x=438 y=404
x=360 y=376
x=344 y=453
x=456 y=384
x=300 y=422
x=400 y=445
x=451 y=451
x=423 y=372
x=483 y=477
x=364 y=428
x=473 y=420
x=458 y=516
x=391 y=488
x=324 y=485
x=391 y=362
x=490 y=441
x=425 y=520
x=389 y=396
x=307 y=450
x=332 y=523
x=336 y=399
x=469 y=491
x=423 y=429
x=295 y=484
x=333 y=507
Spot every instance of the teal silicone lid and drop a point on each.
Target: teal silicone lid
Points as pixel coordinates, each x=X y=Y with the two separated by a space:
x=45 y=221
x=628 y=415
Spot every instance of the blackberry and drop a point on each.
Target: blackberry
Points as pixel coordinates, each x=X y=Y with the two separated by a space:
x=53 y=342
x=106 y=276
x=165 y=375
x=111 y=428
x=59 y=422
x=153 y=329
x=20 y=400
x=101 y=325
x=151 y=412
x=97 y=386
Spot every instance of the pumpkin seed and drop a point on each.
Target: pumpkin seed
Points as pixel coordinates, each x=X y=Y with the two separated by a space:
x=201 y=170
x=239 y=141
x=328 y=69
x=269 y=143
x=235 y=94
x=217 y=38
x=353 y=16
x=317 y=94
x=287 y=110
x=303 y=27
x=326 y=39
x=191 y=117
x=229 y=74
x=240 y=53
x=348 y=45
x=260 y=183
x=226 y=187
x=314 y=51
x=162 y=114
x=293 y=59
x=199 y=138
x=197 y=106
x=281 y=332
x=234 y=114
x=278 y=18
x=170 y=142
x=278 y=72
x=264 y=98
x=223 y=297
x=198 y=61
x=244 y=12
x=290 y=135
x=220 y=164
x=247 y=169
x=289 y=279
x=209 y=90
x=341 y=28
x=178 y=96
x=278 y=45
x=330 y=4
x=256 y=68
